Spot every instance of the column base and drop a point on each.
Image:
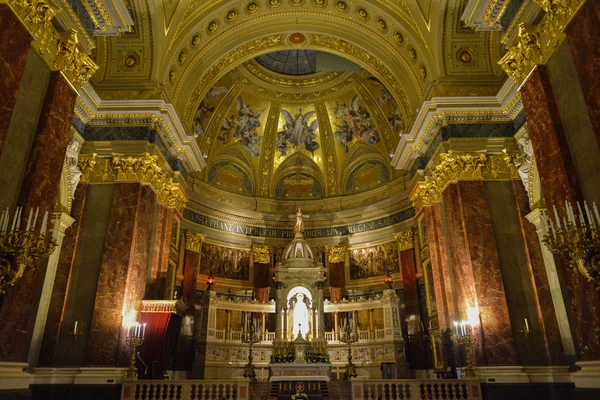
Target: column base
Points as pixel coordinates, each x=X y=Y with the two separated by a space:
x=13 y=376
x=589 y=375
x=500 y=374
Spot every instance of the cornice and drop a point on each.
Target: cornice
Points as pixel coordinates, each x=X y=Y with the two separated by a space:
x=155 y=113
x=442 y=111
x=453 y=166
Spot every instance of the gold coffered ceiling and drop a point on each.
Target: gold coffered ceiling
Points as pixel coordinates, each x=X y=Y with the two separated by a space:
x=181 y=50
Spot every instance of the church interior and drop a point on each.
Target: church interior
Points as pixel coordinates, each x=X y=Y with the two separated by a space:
x=299 y=199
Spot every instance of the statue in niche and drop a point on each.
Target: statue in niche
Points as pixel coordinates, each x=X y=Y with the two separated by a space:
x=523 y=162
x=72 y=156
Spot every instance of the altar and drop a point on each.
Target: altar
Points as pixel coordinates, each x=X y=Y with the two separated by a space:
x=299 y=346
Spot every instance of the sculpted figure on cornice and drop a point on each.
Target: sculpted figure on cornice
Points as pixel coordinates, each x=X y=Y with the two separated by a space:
x=524 y=160
x=72 y=157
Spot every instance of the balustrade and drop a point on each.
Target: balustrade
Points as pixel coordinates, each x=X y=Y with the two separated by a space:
x=467 y=389
x=184 y=390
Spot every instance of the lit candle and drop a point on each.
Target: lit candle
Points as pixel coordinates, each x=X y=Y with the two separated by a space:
x=12 y=227
x=526 y=324
x=20 y=211
x=75 y=328
x=552 y=228
x=2 y=220
x=144 y=331
x=44 y=223
x=129 y=331
x=456 y=326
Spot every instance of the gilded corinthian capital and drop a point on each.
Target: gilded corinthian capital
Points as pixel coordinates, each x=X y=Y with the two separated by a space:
x=193 y=241
x=336 y=254
x=262 y=254
x=77 y=66
x=520 y=59
x=405 y=239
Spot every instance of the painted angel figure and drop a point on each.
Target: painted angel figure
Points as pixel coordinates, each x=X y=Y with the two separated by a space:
x=243 y=125
x=355 y=123
x=297 y=130
x=206 y=108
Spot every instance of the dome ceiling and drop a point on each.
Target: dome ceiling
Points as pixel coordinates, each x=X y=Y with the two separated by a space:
x=321 y=135
x=290 y=62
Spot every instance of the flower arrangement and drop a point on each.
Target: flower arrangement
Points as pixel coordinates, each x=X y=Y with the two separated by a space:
x=300 y=396
x=312 y=357
x=283 y=358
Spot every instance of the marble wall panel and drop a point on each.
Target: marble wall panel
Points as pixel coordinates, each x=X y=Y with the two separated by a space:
x=262 y=275
x=578 y=129
x=476 y=270
x=544 y=306
x=110 y=303
x=583 y=33
x=161 y=250
x=22 y=128
x=14 y=48
x=191 y=268
x=559 y=183
x=42 y=177
x=57 y=308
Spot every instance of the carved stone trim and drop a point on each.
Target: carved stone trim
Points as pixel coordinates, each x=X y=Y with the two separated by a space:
x=71 y=59
x=336 y=254
x=453 y=166
x=262 y=254
x=520 y=59
x=405 y=239
x=193 y=241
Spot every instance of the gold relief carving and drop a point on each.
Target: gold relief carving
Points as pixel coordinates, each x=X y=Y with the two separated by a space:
x=423 y=72
x=398 y=37
x=519 y=60
x=213 y=26
x=252 y=7
x=336 y=254
x=331 y=170
x=362 y=13
x=454 y=166
x=292 y=81
x=193 y=241
x=232 y=15
x=265 y=168
x=405 y=239
x=86 y=164
x=77 y=66
x=225 y=63
x=262 y=254
x=274 y=3
x=182 y=57
x=341 y=6
x=351 y=50
x=381 y=24
x=145 y=169
x=196 y=40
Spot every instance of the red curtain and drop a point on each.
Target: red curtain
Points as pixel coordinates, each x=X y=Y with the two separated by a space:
x=162 y=331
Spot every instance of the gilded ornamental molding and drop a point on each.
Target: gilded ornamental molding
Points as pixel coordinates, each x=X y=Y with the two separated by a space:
x=262 y=254
x=193 y=241
x=452 y=166
x=144 y=169
x=405 y=239
x=61 y=51
x=336 y=254
x=536 y=44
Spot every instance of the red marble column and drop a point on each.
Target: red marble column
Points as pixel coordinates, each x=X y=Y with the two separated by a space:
x=191 y=267
x=64 y=269
x=444 y=297
x=160 y=257
x=14 y=48
x=560 y=184
x=583 y=34
x=476 y=270
x=337 y=280
x=39 y=189
x=122 y=279
x=541 y=289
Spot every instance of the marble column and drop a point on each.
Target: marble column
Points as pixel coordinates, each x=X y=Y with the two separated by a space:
x=123 y=272
x=60 y=223
x=476 y=271
x=583 y=33
x=66 y=263
x=159 y=276
x=558 y=300
x=39 y=189
x=278 y=310
x=559 y=184
x=320 y=312
x=14 y=48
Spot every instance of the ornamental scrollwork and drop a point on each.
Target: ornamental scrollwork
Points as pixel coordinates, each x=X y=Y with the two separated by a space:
x=522 y=58
x=193 y=241
x=77 y=66
x=405 y=239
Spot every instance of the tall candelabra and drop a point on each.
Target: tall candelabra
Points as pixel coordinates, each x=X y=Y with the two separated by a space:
x=349 y=336
x=19 y=249
x=134 y=339
x=464 y=333
x=250 y=336
x=577 y=236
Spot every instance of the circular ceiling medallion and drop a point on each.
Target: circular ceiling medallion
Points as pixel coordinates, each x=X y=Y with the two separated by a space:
x=130 y=61
x=362 y=13
x=398 y=37
x=341 y=6
x=196 y=40
x=465 y=56
x=297 y=39
x=319 y=3
x=252 y=7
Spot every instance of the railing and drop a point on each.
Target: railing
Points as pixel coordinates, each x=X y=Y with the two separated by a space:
x=235 y=335
x=379 y=333
x=330 y=336
x=416 y=389
x=220 y=335
x=270 y=336
x=185 y=390
x=363 y=335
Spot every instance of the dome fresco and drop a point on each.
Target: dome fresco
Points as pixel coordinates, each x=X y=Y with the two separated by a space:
x=325 y=135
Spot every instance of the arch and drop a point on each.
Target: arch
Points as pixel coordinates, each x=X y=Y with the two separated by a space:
x=297 y=166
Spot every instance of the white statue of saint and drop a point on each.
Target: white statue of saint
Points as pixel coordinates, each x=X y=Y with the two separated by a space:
x=523 y=162
x=72 y=157
x=300 y=316
x=299 y=228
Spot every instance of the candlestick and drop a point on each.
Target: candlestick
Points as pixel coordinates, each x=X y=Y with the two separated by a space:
x=29 y=219
x=37 y=210
x=587 y=213
x=596 y=212
x=44 y=223
x=557 y=219
x=581 y=219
